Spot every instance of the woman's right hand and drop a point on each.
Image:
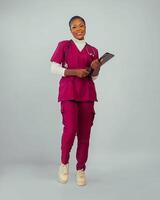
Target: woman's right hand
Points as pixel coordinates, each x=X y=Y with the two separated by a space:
x=81 y=73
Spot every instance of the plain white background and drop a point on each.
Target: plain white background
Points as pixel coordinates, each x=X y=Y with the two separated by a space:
x=124 y=147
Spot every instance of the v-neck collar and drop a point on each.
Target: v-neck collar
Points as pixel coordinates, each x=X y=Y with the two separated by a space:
x=77 y=47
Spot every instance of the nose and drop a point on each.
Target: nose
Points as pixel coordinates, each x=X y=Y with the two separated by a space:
x=78 y=29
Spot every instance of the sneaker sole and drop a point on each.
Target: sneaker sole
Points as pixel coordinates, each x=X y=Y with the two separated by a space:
x=62 y=181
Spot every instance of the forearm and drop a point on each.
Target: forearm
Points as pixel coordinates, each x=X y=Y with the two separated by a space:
x=95 y=72
x=95 y=67
x=57 y=68
x=70 y=72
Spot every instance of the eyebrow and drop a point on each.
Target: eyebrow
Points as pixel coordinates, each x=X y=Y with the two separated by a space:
x=77 y=24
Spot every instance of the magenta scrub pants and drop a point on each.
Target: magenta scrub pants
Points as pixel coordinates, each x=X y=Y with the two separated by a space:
x=77 y=118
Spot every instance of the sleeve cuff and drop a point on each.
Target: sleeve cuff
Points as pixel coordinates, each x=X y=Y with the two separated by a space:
x=57 y=68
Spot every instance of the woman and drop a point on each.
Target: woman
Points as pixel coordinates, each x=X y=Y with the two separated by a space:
x=73 y=59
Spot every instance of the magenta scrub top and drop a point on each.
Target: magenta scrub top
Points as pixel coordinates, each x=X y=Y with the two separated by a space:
x=72 y=87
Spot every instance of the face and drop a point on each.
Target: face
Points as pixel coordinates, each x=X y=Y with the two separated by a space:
x=78 y=29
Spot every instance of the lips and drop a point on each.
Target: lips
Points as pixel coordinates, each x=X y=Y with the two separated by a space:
x=79 y=34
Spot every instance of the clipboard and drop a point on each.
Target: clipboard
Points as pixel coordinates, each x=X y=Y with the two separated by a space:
x=105 y=57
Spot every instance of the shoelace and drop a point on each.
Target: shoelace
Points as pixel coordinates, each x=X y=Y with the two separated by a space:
x=81 y=173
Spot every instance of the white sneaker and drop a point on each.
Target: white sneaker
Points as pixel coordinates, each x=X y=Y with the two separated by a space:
x=63 y=173
x=81 y=178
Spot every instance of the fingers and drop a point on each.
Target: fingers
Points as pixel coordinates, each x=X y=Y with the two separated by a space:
x=85 y=73
x=95 y=64
x=95 y=61
x=82 y=73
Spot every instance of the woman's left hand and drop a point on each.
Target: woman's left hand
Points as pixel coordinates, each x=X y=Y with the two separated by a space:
x=95 y=64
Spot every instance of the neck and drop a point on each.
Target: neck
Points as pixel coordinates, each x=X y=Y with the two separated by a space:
x=78 y=41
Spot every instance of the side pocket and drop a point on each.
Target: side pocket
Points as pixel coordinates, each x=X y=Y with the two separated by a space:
x=93 y=115
x=62 y=111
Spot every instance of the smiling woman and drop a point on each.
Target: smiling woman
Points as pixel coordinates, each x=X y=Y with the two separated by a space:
x=77 y=27
x=77 y=94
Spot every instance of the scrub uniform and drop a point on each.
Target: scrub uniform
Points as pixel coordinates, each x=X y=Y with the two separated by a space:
x=77 y=96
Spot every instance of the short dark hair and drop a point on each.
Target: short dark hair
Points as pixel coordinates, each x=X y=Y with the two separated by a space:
x=76 y=17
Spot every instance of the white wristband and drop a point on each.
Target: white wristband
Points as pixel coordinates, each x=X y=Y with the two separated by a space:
x=94 y=77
